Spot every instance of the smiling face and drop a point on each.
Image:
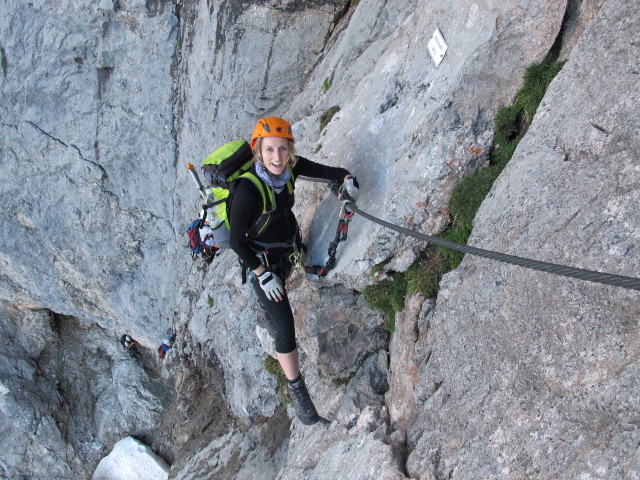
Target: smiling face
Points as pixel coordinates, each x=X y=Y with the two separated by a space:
x=275 y=153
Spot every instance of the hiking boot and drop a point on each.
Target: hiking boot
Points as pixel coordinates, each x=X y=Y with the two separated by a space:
x=299 y=396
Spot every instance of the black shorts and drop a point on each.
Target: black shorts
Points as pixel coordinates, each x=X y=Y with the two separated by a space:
x=279 y=312
x=281 y=318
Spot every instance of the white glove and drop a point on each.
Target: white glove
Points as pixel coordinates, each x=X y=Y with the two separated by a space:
x=350 y=188
x=272 y=286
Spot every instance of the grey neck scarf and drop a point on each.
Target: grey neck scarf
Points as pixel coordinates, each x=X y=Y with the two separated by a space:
x=275 y=182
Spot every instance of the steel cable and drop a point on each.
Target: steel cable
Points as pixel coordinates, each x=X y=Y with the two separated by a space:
x=630 y=283
x=582 y=274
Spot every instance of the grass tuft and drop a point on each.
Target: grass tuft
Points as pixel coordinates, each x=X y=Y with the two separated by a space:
x=272 y=366
x=536 y=81
x=326 y=85
x=388 y=297
x=424 y=275
x=326 y=117
x=460 y=234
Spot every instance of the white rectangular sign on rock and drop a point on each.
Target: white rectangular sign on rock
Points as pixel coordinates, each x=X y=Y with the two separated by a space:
x=437 y=47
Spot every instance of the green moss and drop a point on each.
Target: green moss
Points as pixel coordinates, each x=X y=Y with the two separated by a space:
x=210 y=302
x=379 y=266
x=502 y=153
x=339 y=381
x=326 y=117
x=326 y=85
x=460 y=234
x=507 y=124
x=272 y=366
x=469 y=194
x=424 y=275
x=536 y=81
x=388 y=297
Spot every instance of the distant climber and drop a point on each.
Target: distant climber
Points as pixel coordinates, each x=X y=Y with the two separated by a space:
x=166 y=346
x=131 y=346
x=268 y=242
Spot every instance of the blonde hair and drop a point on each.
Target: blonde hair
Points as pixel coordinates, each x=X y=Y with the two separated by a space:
x=291 y=161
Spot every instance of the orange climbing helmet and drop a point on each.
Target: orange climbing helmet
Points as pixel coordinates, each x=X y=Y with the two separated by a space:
x=271 y=127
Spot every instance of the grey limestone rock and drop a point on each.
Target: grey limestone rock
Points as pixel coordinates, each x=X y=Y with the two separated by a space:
x=537 y=374
x=513 y=374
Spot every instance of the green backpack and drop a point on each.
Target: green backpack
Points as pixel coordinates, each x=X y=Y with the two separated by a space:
x=222 y=169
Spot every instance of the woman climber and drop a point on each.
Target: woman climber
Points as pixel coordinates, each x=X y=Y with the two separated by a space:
x=267 y=240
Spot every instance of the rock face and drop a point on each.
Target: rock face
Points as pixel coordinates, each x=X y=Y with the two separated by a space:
x=509 y=374
x=530 y=375
x=68 y=392
x=87 y=150
x=86 y=136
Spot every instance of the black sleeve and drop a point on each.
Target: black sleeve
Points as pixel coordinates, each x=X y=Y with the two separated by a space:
x=246 y=208
x=311 y=169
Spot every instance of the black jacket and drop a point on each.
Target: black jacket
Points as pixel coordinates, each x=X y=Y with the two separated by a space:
x=246 y=208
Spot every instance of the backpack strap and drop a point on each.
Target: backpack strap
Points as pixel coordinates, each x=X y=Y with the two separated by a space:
x=291 y=183
x=269 y=206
